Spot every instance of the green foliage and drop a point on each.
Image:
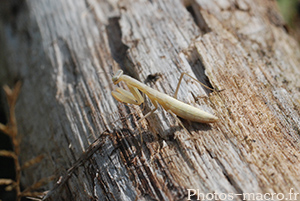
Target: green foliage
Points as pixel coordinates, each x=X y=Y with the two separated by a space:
x=288 y=9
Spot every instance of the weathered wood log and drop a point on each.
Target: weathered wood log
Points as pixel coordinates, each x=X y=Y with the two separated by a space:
x=65 y=53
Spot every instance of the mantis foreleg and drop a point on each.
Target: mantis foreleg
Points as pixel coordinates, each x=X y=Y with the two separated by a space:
x=125 y=96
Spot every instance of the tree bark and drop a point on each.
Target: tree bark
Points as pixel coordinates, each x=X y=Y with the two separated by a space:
x=65 y=53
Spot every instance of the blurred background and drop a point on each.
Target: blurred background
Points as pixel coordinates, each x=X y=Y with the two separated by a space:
x=290 y=10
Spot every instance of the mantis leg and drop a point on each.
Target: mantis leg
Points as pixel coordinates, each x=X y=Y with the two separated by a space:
x=148 y=114
x=180 y=79
x=135 y=92
x=122 y=95
x=151 y=112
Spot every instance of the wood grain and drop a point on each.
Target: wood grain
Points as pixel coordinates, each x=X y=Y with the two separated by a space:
x=65 y=52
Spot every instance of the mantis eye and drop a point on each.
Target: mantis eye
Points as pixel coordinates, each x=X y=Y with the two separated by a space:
x=117 y=75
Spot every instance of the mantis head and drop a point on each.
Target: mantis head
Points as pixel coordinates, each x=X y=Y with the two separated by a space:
x=116 y=76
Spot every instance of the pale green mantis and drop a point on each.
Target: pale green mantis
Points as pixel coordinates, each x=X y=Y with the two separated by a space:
x=170 y=104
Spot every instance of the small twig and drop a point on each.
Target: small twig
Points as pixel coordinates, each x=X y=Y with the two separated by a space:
x=82 y=159
x=12 y=131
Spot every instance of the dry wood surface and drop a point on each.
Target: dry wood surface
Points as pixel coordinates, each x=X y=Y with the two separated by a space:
x=65 y=53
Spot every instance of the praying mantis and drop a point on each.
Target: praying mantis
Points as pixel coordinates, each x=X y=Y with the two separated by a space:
x=170 y=104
